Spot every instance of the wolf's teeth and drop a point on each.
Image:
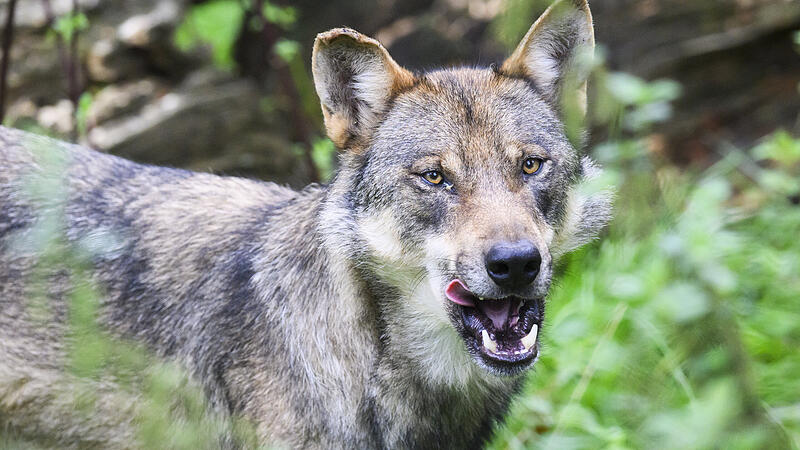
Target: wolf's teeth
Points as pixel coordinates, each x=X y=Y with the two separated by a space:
x=488 y=342
x=530 y=339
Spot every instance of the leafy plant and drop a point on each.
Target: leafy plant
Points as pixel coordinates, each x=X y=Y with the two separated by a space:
x=69 y=25
x=215 y=23
x=679 y=329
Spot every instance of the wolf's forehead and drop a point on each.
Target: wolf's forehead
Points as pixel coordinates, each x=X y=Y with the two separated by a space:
x=474 y=115
x=474 y=97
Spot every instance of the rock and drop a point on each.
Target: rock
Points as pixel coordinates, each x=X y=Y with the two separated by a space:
x=152 y=29
x=31 y=14
x=258 y=154
x=34 y=71
x=108 y=61
x=58 y=117
x=211 y=122
x=117 y=100
x=200 y=121
x=22 y=113
x=141 y=43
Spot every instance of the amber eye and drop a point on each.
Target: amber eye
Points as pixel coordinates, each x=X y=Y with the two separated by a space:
x=532 y=166
x=433 y=177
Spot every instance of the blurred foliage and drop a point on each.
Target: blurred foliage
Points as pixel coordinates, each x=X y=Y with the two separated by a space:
x=69 y=25
x=323 y=152
x=218 y=24
x=680 y=328
x=515 y=20
x=284 y=16
x=171 y=410
x=82 y=113
x=215 y=23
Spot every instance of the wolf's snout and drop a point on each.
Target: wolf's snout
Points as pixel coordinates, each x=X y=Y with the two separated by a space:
x=513 y=265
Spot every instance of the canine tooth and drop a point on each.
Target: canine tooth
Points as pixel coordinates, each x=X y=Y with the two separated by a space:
x=488 y=342
x=480 y=298
x=530 y=339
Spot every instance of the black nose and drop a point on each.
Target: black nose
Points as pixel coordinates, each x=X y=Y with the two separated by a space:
x=513 y=265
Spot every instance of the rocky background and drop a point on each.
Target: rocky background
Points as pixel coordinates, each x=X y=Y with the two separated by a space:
x=224 y=85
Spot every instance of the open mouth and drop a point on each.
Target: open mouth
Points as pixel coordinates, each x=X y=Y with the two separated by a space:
x=504 y=331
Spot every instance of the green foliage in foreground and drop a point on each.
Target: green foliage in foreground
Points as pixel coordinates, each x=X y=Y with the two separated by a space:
x=681 y=328
x=166 y=408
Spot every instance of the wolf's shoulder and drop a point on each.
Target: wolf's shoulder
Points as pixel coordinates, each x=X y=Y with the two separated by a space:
x=24 y=156
x=101 y=190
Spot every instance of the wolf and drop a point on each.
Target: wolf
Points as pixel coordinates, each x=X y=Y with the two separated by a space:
x=399 y=306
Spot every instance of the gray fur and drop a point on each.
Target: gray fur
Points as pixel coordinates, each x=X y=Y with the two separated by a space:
x=317 y=315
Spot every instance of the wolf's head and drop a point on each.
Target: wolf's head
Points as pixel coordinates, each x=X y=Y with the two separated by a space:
x=461 y=186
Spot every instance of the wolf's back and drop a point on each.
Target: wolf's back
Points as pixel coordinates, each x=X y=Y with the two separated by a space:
x=145 y=226
x=170 y=250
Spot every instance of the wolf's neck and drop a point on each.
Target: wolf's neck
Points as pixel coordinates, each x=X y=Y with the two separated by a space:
x=418 y=364
x=426 y=389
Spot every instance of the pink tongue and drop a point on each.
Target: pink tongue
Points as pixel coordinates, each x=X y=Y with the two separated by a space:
x=458 y=293
x=497 y=310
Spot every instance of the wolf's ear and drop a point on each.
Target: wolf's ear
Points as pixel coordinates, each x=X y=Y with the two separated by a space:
x=355 y=78
x=547 y=52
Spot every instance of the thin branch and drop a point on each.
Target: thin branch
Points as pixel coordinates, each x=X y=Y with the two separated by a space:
x=300 y=122
x=50 y=20
x=74 y=60
x=73 y=76
x=8 y=37
x=68 y=57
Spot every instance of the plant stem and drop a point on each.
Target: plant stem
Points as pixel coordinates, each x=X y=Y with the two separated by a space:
x=266 y=58
x=73 y=76
x=69 y=60
x=49 y=22
x=8 y=37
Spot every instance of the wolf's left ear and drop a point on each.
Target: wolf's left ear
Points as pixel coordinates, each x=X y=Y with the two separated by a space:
x=355 y=78
x=547 y=52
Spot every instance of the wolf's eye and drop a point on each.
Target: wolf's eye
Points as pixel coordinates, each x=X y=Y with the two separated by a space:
x=433 y=177
x=532 y=165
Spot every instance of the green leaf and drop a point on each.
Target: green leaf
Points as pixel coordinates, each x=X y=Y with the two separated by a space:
x=781 y=147
x=287 y=50
x=68 y=25
x=216 y=24
x=683 y=302
x=284 y=16
x=323 y=153
x=82 y=114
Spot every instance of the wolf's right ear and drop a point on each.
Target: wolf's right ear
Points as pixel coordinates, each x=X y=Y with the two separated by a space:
x=547 y=54
x=355 y=78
